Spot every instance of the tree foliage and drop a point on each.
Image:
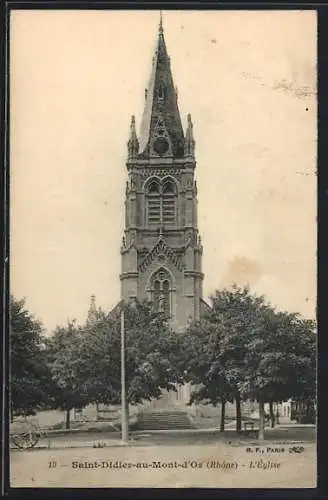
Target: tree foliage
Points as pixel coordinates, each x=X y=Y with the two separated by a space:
x=280 y=358
x=86 y=361
x=31 y=384
x=150 y=347
x=244 y=348
x=241 y=349
x=199 y=363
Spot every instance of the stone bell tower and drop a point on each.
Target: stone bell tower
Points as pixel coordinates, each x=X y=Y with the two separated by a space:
x=161 y=249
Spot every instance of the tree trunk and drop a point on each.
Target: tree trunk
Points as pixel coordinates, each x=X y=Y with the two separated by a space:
x=238 y=413
x=223 y=403
x=261 y=424
x=68 y=419
x=11 y=415
x=272 y=418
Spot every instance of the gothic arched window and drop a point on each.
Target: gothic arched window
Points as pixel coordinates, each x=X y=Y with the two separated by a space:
x=166 y=298
x=161 y=292
x=161 y=203
x=156 y=293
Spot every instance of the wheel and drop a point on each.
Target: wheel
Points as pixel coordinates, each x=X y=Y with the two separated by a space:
x=26 y=440
x=15 y=441
x=34 y=438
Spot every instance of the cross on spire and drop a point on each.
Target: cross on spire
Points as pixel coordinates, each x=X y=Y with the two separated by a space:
x=160 y=29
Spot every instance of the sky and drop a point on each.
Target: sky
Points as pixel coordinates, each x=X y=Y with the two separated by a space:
x=249 y=81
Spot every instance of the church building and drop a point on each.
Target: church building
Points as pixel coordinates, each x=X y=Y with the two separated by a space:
x=161 y=250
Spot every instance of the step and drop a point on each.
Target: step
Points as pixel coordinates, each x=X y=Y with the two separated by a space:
x=164 y=420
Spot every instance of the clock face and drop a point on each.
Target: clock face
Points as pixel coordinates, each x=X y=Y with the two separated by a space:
x=161 y=145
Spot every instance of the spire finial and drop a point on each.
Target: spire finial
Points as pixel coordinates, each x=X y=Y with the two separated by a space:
x=133 y=144
x=160 y=29
x=92 y=313
x=189 y=139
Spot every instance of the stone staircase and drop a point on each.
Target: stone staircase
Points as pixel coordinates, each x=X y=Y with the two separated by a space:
x=168 y=419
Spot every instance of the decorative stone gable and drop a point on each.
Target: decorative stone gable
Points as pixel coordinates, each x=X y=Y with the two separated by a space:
x=161 y=251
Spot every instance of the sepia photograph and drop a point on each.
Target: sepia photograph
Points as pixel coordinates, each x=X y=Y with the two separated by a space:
x=163 y=241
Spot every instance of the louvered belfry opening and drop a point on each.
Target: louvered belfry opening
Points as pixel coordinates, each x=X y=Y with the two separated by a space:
x=154 y=204
x=169 y=203
x=161 y=203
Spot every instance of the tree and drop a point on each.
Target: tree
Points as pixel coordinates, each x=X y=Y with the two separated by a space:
x=235 y=313
x=30 y=378
x=280 y=360
x=99 y=359
x=305 y=397
x=151 y=347
x=244 y=349
x=64 y=357
x=86 y=361
x=199 y=364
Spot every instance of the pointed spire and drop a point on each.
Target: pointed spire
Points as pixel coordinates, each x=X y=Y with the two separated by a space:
x=189 y=140
x=161 y=104
x=92 y=313
x=93 y=302
x=160 y=28
x=133 y=144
